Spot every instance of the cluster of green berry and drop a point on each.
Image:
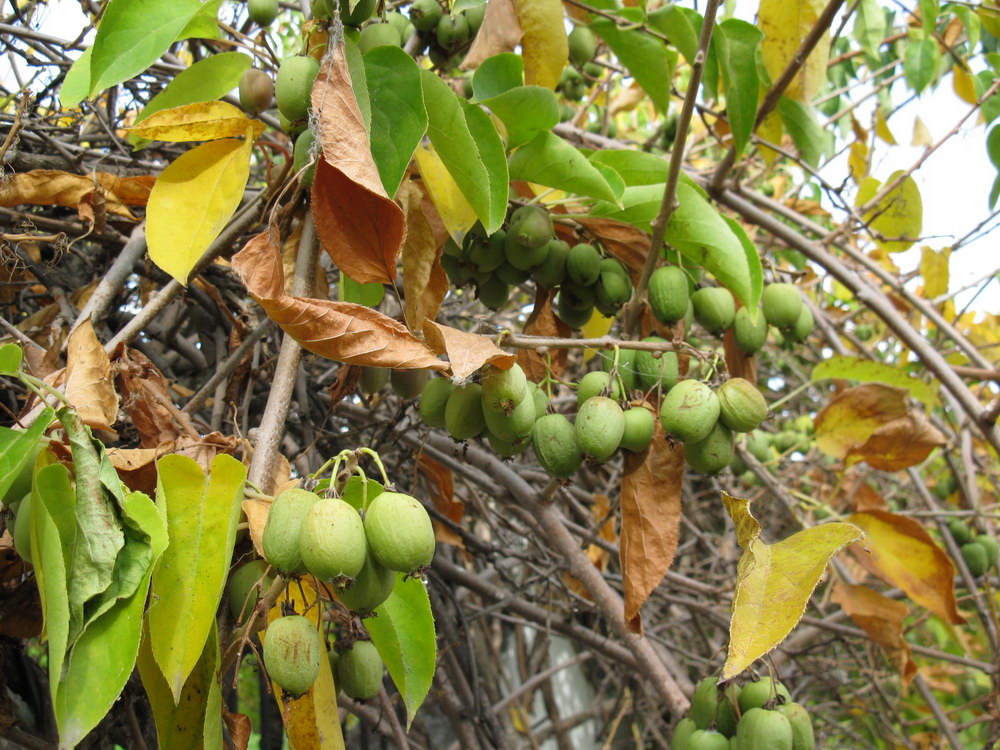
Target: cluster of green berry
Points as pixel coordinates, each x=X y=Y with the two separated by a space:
x=979 y=551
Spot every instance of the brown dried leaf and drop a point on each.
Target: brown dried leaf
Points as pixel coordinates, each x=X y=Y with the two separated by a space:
x=239 y=729
x=337 y=330
x=499 y=32
x=424 y=280
x=145 y=395
x=88 y=383
x=543 y=322
x=467 y=352
x=901 y=443
x=651 y=516
x=738 y=364
x=52 y=187
x=624 y=241
x=441 y=487
x=882 y=618
x=137 y=466
x=358 y=224
x=344 y=384
x=256 y=512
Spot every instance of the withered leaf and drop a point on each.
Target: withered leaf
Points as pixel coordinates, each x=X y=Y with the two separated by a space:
x=543 y=322
x=882 y=618
x=52 y=187
x=337 y=330
x=624 y=241
x=146 y=395
x=467 y=352
x=651 y=516
x=357 y=223
x=499 y=32
x=424 y=280
x=88 y=381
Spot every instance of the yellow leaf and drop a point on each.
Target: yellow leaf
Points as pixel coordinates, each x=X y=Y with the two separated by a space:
x=594 y=328
x=204 y=121
x=901 y=552
x=883 y=619
x=311 y=721
x=882 y=127
x=544 y=44
x=771 y=130
x=934 y=270
x=785 y=25
x=921 y=135
x=857 y=160
x=456 y=213
x=774 y=582
x=192 y=201
x=962 y=83
x=896 y=220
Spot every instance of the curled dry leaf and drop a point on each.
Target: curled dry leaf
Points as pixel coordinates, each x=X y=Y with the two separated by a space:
x=425 y=280
x=624 y=241
x=357 y=223
x=900 y=551
x=882 y=618
x=543 y=322
x=651 y=516
x=137 y=466
x=88 y=382
x=499 y=32
x=466 y=351
x=738 y=364
x=52 y=187
x=337 y=330
x=145 y=397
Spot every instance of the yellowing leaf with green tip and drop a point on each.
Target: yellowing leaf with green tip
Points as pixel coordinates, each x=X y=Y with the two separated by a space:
x=896 y=220
x=203 y=121
x=193 y=200
x=774 y=582
x=785 y=25
x=544 y=44
x=455 y=211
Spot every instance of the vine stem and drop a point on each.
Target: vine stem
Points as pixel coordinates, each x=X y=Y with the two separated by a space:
x=669 y=204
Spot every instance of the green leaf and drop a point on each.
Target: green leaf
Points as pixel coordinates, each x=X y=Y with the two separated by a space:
x=700 y=233
x=801 y=124
x=614 y=180
x=194 y=722
x=205 y=81
x=399 y=119
x=496 y=75
x=201 y=514
x=359 y=493
x=204 y=24
x=634 y=167
x=369 y=295
x=10 y=359
x=929 y=10
x=525 y=111
x=403 y=633
x=549 y=160
x=753 y=262
x=132 y=36
x=866 y=371
x=870 y=27
x=994 y=192
x=993 y=147
x=736 y=44
x=359 y=81
x=681 y=25
x=991 y=107
x=17 y=456
x=76 y=84
x=470 y=148
x=639 y=206
x=920 y=62
x=103 y=657
x=646 y=58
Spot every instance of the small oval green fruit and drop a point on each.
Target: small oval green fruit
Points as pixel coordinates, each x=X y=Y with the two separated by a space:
x=280 y=539
x=463 y=414
x=690 y=411
x=554 y=440
x=359 y=671
x=804 y=325
x=640 y=424
x=262 y=12
x=507 y=449
x=569 y=313
x=363 y=10
x=503 y=389
x=400 y=533
x=552 y=271
x=682 y=733
x=425 y=14
x=514 y=426
x=976 y=558
x=803 y=737
x=600 y=424
x=490 y=254
x=512 y=275
x=760 y=729
x=302 y=156
x=379 y=35
x=749 y=331
x=582 y=45
x=705 y=702
x=256 y=91
x=726 y=716
x=474 y=16
x=373 y=379
x=409 y=383
x=714 y=308
x=583 y=265
x=961 y=533
x=668 y=294
x=742 y=407
x=713 y=453
x=453 y=32
x=656 y=371
x=293 y=86
x=707 y=739
x=244 y=587
x=371 y=587
x=434 y=400
x=596 y=383
x=332 y=541
x=627 y=370
x=292 y=653
x=540 y=398
x=756 y=694
x=521 y=256
x=22 y=530
x=530 y=226
x=991 y=546
x=782 y=305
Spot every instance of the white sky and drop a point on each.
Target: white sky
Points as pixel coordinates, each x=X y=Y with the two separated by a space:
x=954 y=183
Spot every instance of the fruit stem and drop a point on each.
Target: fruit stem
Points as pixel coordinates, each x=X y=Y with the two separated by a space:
x=378 y=462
